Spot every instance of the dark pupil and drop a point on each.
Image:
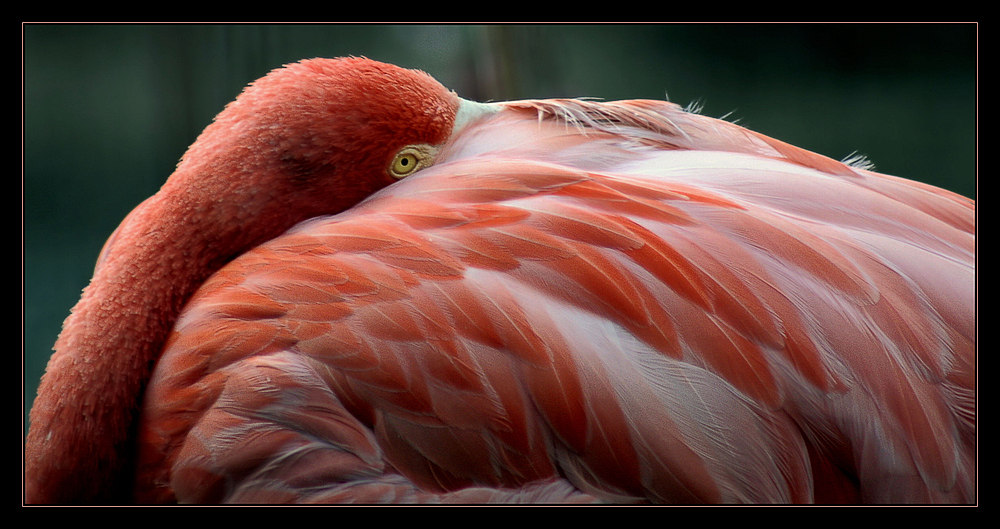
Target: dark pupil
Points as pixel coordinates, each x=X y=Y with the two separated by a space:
x=405 y=162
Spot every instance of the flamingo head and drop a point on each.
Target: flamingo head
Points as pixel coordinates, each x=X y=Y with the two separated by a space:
x=317 y=136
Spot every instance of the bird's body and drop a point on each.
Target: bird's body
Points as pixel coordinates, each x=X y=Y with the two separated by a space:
x=573 y=301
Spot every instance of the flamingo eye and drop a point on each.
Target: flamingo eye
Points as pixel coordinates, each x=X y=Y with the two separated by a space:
x=411 y=158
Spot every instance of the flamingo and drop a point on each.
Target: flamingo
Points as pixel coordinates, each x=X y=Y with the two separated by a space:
x=359 y=287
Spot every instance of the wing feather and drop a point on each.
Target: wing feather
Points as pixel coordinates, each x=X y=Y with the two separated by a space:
x=690 y=312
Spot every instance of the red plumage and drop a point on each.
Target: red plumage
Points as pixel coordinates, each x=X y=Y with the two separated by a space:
x=574 y=301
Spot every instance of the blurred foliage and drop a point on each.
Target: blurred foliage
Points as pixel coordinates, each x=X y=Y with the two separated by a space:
x=109 y=109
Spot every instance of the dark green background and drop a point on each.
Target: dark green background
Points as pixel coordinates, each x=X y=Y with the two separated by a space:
x=108 y=110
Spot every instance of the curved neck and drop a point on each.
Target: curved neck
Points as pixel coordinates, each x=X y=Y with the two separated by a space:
x=80 y=444
x=78 y=449
x=310 y=139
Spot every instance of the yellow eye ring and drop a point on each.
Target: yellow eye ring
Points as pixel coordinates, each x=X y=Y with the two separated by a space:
x=404 y=163
x=409 y=159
